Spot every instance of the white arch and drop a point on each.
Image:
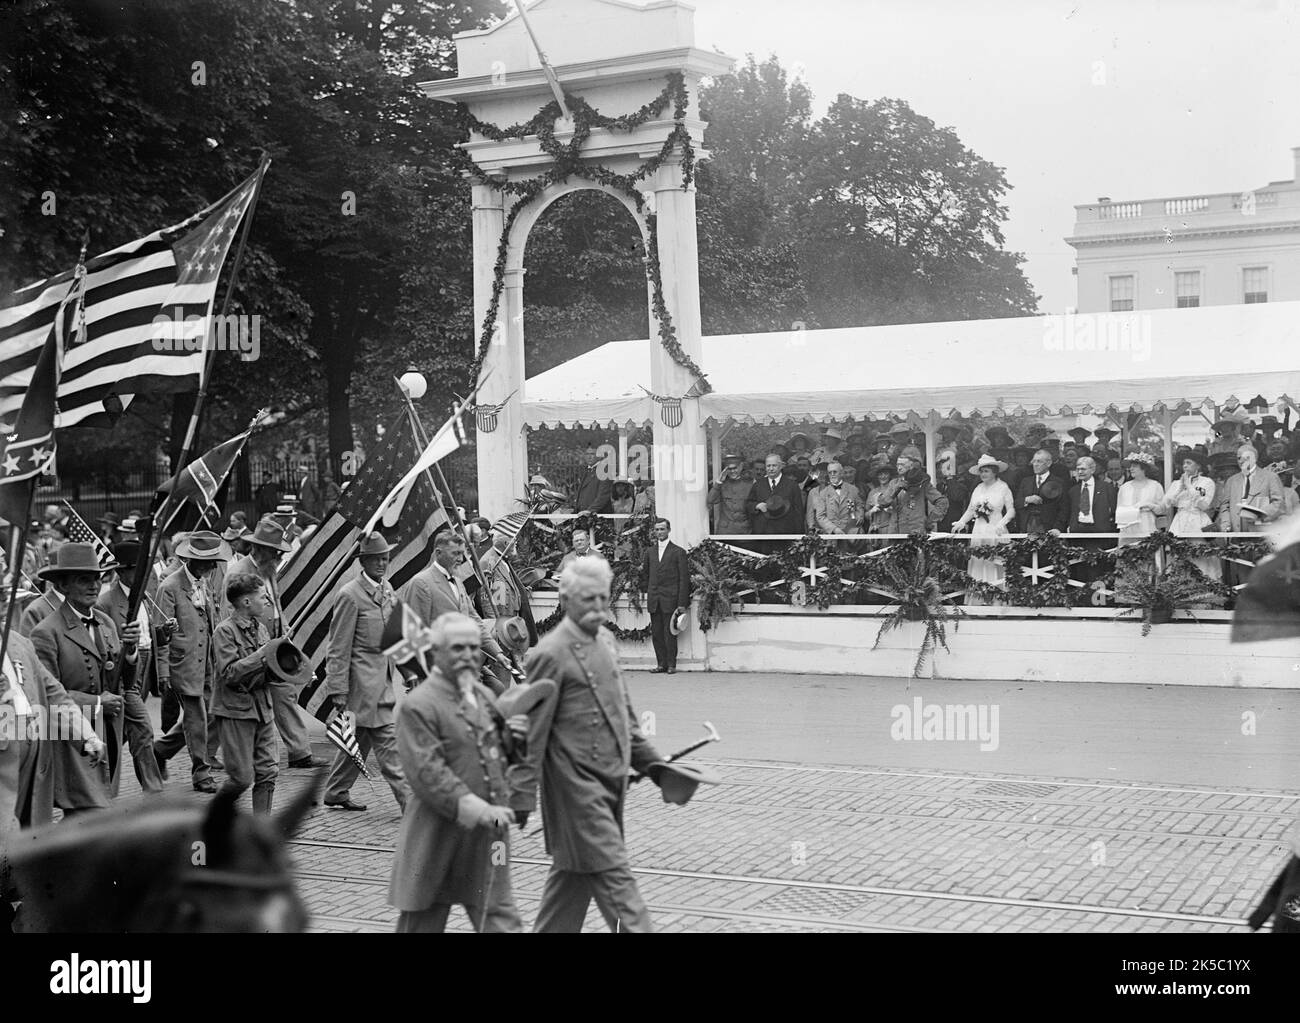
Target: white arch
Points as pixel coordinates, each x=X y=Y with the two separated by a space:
x=528 y=217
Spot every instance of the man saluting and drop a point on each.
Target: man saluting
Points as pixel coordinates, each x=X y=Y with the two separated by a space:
x=581 y=742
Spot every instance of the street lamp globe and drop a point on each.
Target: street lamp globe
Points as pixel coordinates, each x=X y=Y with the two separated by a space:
x=413 y=384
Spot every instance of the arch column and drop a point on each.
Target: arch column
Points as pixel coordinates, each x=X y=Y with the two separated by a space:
x=681 y=452
x=503 y=453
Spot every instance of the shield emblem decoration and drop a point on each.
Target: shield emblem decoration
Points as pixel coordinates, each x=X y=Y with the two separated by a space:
x=670 y=411
x=486 y=418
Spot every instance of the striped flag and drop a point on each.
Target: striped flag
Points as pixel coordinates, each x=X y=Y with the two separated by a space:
x=79 y=532
x=416 y=636
x=508 y=526
x=324 y=563
x=450 y=436
x=145 y=318
x=342 y=731
x=202 y=478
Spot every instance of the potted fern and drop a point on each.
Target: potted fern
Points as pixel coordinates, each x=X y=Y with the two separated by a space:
x=919 y=599
x=1155 y=595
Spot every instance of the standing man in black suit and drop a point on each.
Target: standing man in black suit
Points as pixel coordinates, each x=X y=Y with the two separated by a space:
x=1041 y=502
x=594 y=494
x=1092 y=510
x=775 y=502
x=667 y=578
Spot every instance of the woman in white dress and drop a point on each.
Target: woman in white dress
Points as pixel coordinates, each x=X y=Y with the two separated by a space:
x=1190 y=498
x=1135 y=516
x=992 y=509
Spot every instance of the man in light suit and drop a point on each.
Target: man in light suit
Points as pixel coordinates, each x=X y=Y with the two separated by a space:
x=666 y=576
x=185 y=662
x=837 y=506
x=581 y=743
x=453 y=750
x=436 y=591
x=79 y=645
x=1252 y=487
x=114 y=601
x=359 y=676
x=1247 y=500
x=31 y=699
x=267 y=543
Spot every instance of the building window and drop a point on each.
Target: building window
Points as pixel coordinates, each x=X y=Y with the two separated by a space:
x=1254 y=280
x=1121 y=294
x=1187 y=289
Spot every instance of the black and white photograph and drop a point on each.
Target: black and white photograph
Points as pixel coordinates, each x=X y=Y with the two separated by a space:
x=713 y=467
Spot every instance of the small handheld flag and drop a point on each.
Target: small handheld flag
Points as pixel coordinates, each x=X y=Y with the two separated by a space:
x=342 y=731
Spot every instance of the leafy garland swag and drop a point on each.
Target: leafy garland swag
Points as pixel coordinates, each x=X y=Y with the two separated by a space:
x=1037 y=570
x=569 y=162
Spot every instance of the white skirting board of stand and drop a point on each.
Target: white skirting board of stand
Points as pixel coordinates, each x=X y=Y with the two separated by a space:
x=996 y=644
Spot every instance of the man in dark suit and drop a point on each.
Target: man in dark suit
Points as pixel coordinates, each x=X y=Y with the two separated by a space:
x=666 y=575
x=1041 y=502
x=594 y=493
x=1092 y=510
x=775 y=502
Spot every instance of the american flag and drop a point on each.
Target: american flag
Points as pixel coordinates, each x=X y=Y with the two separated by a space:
x=508 y=526
x=314 y=574
x=79 y=532
x=343 y=733
x=137 y=300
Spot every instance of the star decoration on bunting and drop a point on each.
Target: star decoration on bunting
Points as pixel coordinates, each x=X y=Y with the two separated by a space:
x=11 y=464
x=812 y=573
x=1035 y=572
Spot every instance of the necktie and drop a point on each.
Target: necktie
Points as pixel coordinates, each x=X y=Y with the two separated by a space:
x=1087 y=493
x=89 y=623
x=1246 y=495
x=1040 y=480
x=836 y=486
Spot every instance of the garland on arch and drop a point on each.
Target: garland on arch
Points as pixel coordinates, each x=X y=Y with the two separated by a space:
x=567 y=162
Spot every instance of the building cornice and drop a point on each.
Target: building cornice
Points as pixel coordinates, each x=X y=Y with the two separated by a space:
x=1161 y=236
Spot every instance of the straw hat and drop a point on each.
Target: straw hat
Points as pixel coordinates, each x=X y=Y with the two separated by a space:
x=990 y=462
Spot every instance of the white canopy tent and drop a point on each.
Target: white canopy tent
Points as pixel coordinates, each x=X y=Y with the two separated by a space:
x=1042 y=365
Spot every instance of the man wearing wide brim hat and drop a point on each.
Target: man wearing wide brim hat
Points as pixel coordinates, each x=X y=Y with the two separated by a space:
x=45 y=604
x=115 y=600
x=831 y=447
x=80 y=646
x=268 y=543
x=109 y=526
x=185 y=662
x=359 y=676
x=726 y=498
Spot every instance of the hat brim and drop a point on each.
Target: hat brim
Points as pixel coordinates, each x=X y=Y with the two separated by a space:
x=999 y=465
x=677 y=624
x=677 y=781
x=282 y=547
x=526 y=698
x=53 y=571
x=222 y=553
x=294 y=678
x=388 y=549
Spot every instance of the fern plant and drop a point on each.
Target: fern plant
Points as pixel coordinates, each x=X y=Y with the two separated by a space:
x=1155 y=595
x=920 y=599
x=717 y=577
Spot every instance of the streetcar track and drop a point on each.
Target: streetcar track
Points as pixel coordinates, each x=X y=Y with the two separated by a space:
x=823 y=886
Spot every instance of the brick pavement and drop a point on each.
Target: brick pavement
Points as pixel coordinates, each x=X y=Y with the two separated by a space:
x=791 y=848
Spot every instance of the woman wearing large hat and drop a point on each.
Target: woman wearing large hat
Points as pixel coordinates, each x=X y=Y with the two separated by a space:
x=991 y=509
x=1190 y=498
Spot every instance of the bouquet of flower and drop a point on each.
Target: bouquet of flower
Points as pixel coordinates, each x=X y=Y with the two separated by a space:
x=984 y=511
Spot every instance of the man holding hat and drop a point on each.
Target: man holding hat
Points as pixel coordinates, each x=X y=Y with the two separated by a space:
x=244 y=665
x=454 y=742
x=267 y=544
x=775 y=502
x=581 y=743
x=115 y=601
x=666 y=576
x=185 y=662
x=359 y=676
x=79 y=646
x=727 y=496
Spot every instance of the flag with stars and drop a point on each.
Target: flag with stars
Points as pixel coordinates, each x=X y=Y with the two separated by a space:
x=315 y=573
x=79 y=532
x=142 y=327
x=202 y=478
x=28 y=452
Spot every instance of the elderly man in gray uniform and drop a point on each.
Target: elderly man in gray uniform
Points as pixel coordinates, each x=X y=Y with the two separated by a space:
x=359 y=675
x=581 y=742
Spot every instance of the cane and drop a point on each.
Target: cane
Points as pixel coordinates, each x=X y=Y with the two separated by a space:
x=713 y=736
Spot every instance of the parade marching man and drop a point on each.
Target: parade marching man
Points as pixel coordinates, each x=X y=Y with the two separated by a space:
x=453 y=847
x=114 y=600
x=267 y=543
x=359 y=677
x=436 y=591
x=79 y=646
x=185 y=662
x=581 y=743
